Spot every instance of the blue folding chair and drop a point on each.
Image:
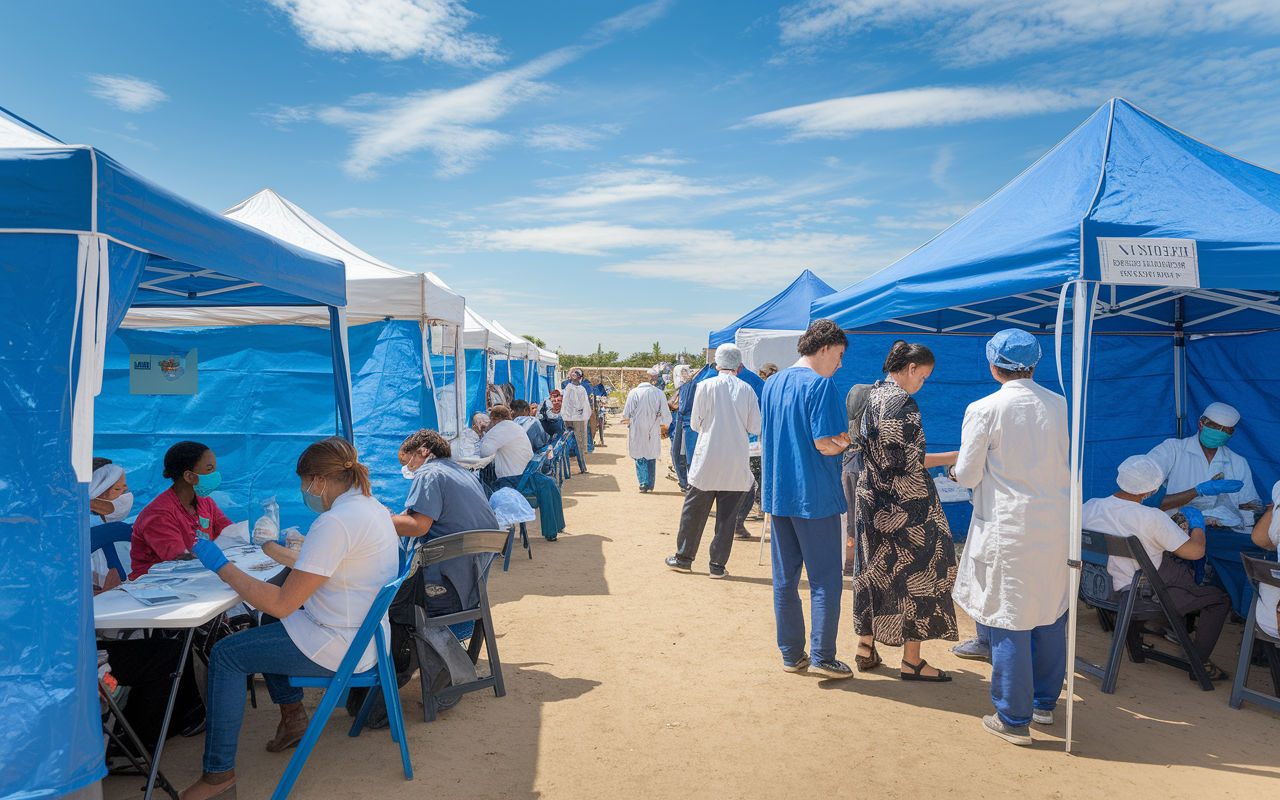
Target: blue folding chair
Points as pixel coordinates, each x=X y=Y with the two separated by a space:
x=104 y=538
x=381 y=677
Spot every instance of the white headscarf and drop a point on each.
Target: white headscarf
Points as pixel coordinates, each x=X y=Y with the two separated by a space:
x=104 y=478
x=681 y=374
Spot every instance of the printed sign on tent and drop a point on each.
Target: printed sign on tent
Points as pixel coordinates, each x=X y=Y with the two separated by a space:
x=1149 y=262
x=170 y=373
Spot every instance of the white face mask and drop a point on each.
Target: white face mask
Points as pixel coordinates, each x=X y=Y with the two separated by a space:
x=406 y=472
x=120 y=507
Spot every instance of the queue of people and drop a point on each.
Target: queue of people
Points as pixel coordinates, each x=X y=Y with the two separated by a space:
x=869 y=461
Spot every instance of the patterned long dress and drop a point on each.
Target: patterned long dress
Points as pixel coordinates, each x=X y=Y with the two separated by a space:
x=906 y=560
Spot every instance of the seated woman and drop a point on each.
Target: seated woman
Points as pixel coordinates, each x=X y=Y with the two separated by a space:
x=171 y=524
x=109 y=501
x=524 y=417
x=549 y=414
x=1266 y=534
x=349 y=554
x=444 y=498
x=507 y=443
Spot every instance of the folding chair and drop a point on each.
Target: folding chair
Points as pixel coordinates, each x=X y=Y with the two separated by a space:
x=1268 y=573
x=443 y=549
x=381 y=676
x=104 y=538
x=1130 y=606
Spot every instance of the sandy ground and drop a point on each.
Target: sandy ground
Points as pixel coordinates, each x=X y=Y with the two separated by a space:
x=628 y=680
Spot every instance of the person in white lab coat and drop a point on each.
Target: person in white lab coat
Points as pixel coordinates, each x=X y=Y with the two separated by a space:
x=647 y=417
x=575 y=410
x=1266 y=534
x=1191 y=464
x=1012 y=578
x=725 y=414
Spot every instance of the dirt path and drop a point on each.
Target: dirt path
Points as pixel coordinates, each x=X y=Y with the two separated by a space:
x=628 y=680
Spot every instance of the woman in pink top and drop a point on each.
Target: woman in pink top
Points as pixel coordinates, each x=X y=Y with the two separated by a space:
x=169 y=525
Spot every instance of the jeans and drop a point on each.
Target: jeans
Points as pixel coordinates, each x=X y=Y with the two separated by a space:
x=690 y=442
x=579 y=428
x=646 y=471
x=266 y=649
x=678 y=460
x=743 y=510
x=815 y=545
x=693 y=520
x=1027 y=669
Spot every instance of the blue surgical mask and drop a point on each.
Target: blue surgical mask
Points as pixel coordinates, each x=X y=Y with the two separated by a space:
x=1213 y=438
x=314 y=502
x=208 y=483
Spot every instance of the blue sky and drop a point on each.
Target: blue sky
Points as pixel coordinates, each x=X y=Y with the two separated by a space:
x=607 y=172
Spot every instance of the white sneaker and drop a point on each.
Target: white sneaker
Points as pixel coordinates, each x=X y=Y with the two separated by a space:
x=1042 y=717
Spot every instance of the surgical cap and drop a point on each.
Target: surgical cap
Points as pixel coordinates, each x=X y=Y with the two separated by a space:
x=654 y=372
x=1139 y=475
x=1223 y=414
x=728 y=356
x=1013 y=349
x=104 y=477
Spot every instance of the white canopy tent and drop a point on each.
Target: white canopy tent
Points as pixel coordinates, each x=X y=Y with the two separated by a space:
x=375 y=291
x=762 y=346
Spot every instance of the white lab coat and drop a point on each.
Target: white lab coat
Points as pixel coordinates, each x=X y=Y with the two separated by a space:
x=646 y=407
x=1185 y=467
x=575 y=406
x=725 y=413
x=1014 y=450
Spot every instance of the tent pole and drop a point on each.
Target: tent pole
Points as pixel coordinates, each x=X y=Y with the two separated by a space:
x=1179 y=362
x=1082 y=319
x=428 y=373
x=460 y=382
x=341 y=372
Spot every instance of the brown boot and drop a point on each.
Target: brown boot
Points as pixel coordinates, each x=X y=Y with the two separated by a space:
x=221 y=785
x=292 y=727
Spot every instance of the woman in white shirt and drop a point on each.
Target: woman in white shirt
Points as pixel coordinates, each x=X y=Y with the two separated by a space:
x=350 y=553
x=1266 y=534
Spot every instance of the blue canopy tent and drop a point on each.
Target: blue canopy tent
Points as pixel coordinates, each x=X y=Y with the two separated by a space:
x=82 y=239
x=786 y=311
x=1163 y=247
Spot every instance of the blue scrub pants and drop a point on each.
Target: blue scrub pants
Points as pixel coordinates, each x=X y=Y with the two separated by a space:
x=1027 y=669
x=816 y=545
x=690 y=442
x=646 y=470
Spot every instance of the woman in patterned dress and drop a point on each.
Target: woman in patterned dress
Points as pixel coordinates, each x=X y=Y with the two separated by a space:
x=906 y=560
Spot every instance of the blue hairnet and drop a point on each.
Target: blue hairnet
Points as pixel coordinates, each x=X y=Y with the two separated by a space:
x=1013 y=349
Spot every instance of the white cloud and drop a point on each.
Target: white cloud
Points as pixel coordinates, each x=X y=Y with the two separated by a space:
x=432 y=29
x=281 y=117
x=967 y=32
x=568 y=137
x=350 y=213
x=662 y=158
x=447 y=123
x=915 y=108
x=126 y=92
x=611 y=187
x=711 y=257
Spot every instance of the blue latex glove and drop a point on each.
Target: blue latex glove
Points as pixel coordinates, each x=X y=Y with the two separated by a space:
x=210 y=555
x=1194 y=518
x=1211 y=488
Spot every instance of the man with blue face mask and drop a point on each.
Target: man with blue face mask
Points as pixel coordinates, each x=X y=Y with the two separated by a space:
x=1202 y=471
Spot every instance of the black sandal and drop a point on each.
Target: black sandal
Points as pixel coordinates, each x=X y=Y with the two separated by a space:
x=867 y=663
x=914 y=675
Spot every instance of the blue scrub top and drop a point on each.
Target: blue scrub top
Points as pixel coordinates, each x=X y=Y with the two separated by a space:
x=753 y=380
x=799 y=406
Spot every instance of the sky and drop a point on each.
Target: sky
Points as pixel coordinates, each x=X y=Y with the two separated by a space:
x=619 y=174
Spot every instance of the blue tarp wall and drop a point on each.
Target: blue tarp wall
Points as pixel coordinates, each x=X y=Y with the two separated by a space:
x=1130 y=402
x=265 y=393
x=477 y=381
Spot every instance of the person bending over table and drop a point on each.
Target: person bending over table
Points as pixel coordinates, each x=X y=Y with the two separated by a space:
x=1190 y=466
x=1123 y=514
x=171 y=524
x=1266 y=534
x=507 y=443
x=349 y=554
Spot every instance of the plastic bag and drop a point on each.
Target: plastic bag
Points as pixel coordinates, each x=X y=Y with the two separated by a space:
x=293 y=538
x=510 y=507
x=267 y=528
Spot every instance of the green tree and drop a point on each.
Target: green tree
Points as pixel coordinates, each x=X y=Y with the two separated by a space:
x=536 y=341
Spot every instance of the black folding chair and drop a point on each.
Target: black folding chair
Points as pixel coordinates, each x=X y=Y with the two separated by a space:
x=1266 y=573
x=1130 y=605
x=443 y=549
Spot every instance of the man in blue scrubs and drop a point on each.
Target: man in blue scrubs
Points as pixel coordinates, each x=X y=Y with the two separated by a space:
x=803 y=433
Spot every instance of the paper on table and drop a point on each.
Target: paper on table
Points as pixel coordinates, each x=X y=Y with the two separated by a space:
x=155 y=595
